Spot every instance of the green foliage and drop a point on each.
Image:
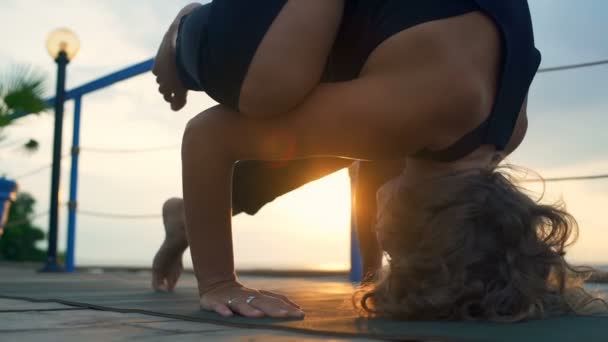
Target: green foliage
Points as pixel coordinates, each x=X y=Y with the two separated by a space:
x=31 y=145
x=21 y=90
x=4 y=120
x=18 y=243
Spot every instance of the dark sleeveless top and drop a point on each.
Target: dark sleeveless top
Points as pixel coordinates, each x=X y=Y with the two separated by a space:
x=368 y=23
x=208 y=60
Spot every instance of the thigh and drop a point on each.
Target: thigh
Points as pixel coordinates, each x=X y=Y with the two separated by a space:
x=257 y=183
x=291 y=58
x=263 y=57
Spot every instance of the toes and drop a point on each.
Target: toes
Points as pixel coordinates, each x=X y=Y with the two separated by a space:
x=171 y=283
x=159 y=284
x=172 y=280
x=157 y=280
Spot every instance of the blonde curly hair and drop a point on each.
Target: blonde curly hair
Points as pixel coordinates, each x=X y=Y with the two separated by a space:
x=473 y=245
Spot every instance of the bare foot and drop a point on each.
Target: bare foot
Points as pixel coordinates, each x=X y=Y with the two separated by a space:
x=165 y=69
x=167 y=265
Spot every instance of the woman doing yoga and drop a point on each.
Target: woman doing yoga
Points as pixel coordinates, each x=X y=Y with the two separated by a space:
x=439 y=85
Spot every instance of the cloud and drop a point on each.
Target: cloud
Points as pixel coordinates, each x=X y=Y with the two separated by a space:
x=560 y=137
x=105 y=39
x=559 y=28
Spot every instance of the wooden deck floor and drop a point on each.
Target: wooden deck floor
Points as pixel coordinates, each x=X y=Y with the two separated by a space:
x=119 y=306
x=25 y=320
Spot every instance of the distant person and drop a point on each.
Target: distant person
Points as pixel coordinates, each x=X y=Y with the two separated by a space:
x=439 y=84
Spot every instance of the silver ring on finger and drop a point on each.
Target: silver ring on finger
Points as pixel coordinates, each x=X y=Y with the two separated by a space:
x=250 y=299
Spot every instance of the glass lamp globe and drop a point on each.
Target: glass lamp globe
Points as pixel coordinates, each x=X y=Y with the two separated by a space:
x=63 y=39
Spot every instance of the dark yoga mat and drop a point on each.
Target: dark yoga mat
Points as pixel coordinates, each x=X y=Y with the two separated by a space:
x=327 y=304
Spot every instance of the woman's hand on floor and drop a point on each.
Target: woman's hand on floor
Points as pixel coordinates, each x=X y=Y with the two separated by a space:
x=165 y=69
x=233 y=298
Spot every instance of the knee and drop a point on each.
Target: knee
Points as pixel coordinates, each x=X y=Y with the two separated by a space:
x=191 y=136
x=208 y=132
x=198 y=130
x=195 y=135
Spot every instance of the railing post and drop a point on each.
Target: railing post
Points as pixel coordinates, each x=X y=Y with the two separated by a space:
x=51 y=256
x=73 y=203
x=356 y=265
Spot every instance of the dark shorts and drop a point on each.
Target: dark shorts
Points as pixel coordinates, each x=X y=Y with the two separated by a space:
x=257 y=183
x=217 y=42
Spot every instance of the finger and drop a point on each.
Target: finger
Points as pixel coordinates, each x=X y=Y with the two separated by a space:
x=281 y=297
x=163 y=89
x=246 y=310
x=168 y=97
x=222 y=309
x=155 y=69
x=272 y=307
x=215 y=306
x=276 y=308
x=179 y=100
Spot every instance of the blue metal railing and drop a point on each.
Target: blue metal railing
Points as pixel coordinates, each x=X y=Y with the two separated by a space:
x=76 y=94
x=70 y=263
x=103 y=82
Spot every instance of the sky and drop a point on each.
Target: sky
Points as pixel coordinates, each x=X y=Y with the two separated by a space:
x=308 y=228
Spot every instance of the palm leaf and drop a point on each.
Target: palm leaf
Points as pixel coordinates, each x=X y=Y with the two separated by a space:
x=31 y=146
x=22 y=90
x=4 y=120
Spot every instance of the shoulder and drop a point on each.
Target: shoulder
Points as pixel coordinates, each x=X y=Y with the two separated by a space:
x=453 y=66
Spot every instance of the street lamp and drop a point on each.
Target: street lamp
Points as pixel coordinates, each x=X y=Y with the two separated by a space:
x=63 y=45
x=63 y=40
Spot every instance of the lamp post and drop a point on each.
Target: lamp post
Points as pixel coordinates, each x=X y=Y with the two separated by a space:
x=62 y=45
